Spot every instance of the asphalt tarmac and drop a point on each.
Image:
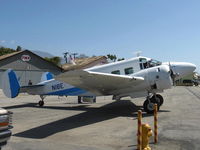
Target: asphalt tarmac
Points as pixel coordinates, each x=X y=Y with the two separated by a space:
x=62 y=124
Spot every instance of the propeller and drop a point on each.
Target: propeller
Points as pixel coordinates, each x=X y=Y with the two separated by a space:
x=172 y=74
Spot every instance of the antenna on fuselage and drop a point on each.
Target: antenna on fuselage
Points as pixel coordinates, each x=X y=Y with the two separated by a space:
x=138 y=53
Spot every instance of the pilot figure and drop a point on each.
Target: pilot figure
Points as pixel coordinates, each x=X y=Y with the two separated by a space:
x=30 y=82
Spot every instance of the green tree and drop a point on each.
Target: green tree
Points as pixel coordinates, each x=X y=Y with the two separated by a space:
x=18 y=48
x=4 y=50
x=112 y=57
x=56 y=60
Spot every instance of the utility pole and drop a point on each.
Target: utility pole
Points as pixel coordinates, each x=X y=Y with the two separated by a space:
x=65 y=56
x=74 y=54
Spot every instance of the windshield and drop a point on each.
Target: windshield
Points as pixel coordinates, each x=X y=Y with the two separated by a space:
x=153 y=63
x=148 y=63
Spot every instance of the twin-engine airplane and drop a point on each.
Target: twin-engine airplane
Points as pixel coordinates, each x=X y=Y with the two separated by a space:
x=136 y=77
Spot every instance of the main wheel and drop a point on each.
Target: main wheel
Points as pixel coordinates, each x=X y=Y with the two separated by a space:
x=148 y=106
x=41 y=103
x=157 y=99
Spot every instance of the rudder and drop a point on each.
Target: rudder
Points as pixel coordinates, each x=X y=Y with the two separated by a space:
x=10 y=84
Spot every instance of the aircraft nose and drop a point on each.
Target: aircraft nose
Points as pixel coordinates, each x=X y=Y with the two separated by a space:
x=191 y=67
x=183 y=68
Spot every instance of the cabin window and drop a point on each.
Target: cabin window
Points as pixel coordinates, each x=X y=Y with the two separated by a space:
x=128 y=70
x=115 y=72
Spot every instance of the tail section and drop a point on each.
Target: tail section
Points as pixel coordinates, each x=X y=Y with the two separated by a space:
x=46 y=76
x=10 y=84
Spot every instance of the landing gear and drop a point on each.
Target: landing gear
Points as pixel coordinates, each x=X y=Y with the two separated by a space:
x=41 y=102
x=157 y=98
x=79 y=100
x=148 y=104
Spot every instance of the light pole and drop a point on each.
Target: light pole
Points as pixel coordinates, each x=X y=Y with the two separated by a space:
x=65 y=56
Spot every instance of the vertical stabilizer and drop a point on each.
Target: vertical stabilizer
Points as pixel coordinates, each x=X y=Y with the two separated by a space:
x=46 y=76
x=10 y=84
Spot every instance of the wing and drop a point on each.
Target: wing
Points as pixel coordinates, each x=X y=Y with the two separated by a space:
x=99 y=83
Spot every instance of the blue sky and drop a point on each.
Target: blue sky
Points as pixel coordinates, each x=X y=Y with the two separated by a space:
x=167 y=30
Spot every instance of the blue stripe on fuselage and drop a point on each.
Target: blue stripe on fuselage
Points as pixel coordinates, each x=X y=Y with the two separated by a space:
x=72 y=92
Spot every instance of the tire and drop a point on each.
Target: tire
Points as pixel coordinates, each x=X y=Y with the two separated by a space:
x=148 y=107
x=158 y=99
x=41 y=103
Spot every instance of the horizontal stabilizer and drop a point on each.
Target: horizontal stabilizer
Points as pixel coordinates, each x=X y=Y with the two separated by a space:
x=10 y=84
x=26 y=89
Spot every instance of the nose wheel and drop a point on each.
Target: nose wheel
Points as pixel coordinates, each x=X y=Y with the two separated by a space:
x=148 y=104
x=157 y=98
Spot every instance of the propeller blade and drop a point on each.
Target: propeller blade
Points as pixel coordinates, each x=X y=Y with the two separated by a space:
x=172 y=74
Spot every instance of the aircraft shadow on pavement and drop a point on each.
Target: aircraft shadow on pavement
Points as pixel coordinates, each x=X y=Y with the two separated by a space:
x=91 y=115
x=21 y=106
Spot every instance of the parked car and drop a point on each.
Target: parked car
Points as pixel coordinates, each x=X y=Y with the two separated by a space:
x=187 y=82
x=5 y=126
x=196 y=82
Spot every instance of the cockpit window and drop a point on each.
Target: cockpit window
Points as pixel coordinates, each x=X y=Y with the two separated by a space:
x=143 y=60
x=143 y=63
x=153 y=63
x=148 y=64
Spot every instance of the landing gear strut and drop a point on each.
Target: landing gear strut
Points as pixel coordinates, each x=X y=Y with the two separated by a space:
x=148 y=104
x=79 y=100
x=41 y=102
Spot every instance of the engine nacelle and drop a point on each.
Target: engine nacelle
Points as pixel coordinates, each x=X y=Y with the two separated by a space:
x=159 y=78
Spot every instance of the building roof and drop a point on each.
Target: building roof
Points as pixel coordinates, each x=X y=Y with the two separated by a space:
x=6 y=56
x=9 y=55
x=82 y=62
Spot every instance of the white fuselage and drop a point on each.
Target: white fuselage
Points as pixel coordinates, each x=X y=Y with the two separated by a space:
x=132 y=67
x=121 y=67
x=156 y=76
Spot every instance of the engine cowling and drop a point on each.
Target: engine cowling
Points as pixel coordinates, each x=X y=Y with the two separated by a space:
x=159 y=78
